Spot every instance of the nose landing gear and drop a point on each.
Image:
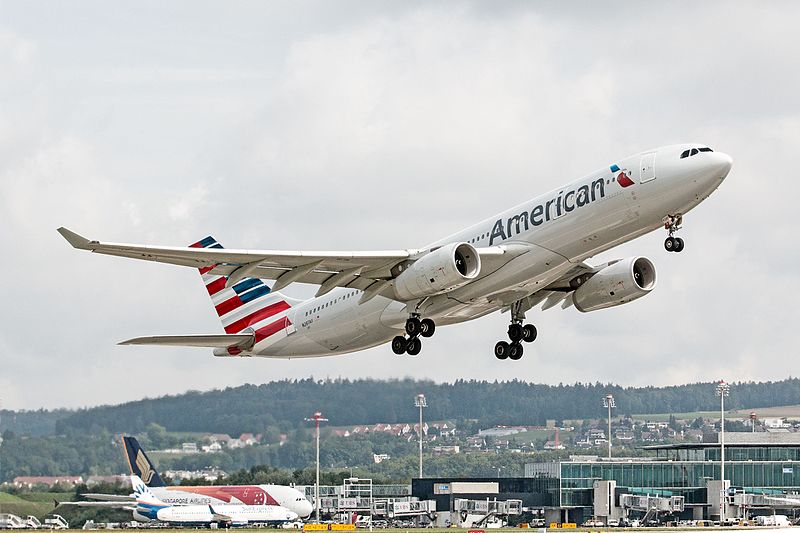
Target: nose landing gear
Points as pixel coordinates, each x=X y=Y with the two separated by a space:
x=415 y=327
x=672 y=223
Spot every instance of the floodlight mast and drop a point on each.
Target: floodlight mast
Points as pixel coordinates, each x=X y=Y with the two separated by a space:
x=317 y=418
x=421 y=402
x=608 y=401
x=723 y=389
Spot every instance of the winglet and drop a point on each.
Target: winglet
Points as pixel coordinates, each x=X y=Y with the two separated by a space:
x=77 y=241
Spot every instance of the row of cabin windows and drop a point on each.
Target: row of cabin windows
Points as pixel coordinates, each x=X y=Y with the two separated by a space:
x=479 y=237
x=695 y=151
x=339 y=299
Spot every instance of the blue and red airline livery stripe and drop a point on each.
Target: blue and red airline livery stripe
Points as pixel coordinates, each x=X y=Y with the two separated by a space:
x=246 y=291
x=272 y=329
x=258 y=316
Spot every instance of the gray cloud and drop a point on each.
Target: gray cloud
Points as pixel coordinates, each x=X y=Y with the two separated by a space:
x=382 y=125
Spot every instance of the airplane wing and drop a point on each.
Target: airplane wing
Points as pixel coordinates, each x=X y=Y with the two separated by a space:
x=329 y=269
x=131 y=505
x=109 y=497
x=241 y=341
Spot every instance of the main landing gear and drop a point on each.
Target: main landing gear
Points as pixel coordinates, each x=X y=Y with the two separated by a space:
x=672 y=223
x=517 y=333
x=415 y=327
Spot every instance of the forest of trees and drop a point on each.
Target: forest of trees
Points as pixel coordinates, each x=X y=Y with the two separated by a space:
x=84 y=441
x=284 y=404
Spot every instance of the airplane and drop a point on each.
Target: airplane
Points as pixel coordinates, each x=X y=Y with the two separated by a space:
x=531 y=254
x=258 y=495
x=142 y=467
x=149 y=507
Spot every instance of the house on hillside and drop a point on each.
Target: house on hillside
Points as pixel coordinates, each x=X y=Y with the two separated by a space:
x=29 y=482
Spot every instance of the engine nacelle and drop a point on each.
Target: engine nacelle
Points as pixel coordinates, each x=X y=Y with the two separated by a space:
x=439 y=271
x=616 y=284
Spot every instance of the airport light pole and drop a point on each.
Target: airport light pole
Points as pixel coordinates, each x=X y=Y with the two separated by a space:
x=317 y=418
x=608 y=401
x=421 y=402
x=753 y=418
x=723 y=389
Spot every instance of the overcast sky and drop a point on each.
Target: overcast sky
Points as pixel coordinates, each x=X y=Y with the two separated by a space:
x=382 y=125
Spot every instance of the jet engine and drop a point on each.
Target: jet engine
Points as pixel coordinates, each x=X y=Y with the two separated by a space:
x=617 y=283
x=439 y=271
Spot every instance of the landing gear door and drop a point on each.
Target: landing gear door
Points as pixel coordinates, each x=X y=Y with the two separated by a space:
x=647 y=168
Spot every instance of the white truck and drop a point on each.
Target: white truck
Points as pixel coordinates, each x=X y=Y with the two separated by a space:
x=773 y=520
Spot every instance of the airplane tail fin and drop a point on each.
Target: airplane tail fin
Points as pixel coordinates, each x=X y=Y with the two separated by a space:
x=141 y=466
x=143 y=494
x=248 y=305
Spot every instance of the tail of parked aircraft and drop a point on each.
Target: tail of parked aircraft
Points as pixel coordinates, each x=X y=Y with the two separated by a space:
x=143 y=495
x=246 y=303
x=141 y=466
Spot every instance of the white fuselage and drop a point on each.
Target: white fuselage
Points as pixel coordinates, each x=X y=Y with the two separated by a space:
x=202 y=514
x=560 y=229
x=248 y=495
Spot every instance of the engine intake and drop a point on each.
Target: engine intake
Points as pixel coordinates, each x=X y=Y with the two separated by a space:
x=439 y=271
x=616 y=284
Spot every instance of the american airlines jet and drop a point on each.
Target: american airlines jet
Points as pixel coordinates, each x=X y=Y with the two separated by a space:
x=531 y=254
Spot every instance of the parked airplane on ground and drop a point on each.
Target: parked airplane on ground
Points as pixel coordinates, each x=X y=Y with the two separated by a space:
x=258 y=495
x=141 y=467
x=531 y=254
x=150 y=507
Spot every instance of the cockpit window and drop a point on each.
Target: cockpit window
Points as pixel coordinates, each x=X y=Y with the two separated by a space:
x=695 y=151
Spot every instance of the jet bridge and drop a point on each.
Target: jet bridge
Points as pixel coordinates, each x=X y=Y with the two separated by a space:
x=484 y=513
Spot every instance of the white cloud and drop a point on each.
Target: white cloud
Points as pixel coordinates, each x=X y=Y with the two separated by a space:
x=360 y=128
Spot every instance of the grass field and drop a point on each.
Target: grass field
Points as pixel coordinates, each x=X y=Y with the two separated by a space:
x=38 y=504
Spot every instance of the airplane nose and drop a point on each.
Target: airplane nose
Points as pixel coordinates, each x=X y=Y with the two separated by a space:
x=722 y=164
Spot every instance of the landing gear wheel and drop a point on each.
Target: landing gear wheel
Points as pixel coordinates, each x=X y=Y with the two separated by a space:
x=414 y=346
x=670 y=244
x=501 y=350
x=413 y=326
x=678 y=244
x=515 y=351
x=399 y=345
x=515 y=332
x=427 y=327
x=529 y=333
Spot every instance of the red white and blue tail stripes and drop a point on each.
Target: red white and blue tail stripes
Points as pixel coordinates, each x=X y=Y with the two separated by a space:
x=247 y=304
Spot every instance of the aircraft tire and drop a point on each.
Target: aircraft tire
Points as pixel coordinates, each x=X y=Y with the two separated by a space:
x=670 y=244
x=529 y=333
x=413 y=326
x=678 y=244
x=399 y=345
x=414 y=346
x=515 y=351
x=427 y=327
x=515 y=332
x=501 y=350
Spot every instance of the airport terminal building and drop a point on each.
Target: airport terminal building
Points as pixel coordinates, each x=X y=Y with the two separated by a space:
x=681 y=481
x=762 y=472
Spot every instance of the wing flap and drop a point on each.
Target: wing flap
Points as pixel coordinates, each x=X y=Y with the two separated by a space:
x=242 y=341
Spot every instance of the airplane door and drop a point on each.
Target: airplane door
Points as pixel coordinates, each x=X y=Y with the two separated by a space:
x=647 y=168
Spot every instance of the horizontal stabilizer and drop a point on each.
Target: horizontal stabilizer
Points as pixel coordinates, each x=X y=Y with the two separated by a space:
x=242 y=341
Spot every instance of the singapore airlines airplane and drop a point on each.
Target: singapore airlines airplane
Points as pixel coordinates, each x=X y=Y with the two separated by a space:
x=531 y=254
